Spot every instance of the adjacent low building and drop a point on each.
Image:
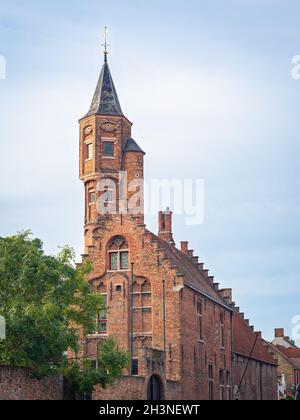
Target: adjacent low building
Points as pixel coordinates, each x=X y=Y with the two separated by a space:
x=287 y=354
x=254 y=369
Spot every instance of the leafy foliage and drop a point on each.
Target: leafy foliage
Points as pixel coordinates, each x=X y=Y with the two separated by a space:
x=83 y=377
x=47 y=303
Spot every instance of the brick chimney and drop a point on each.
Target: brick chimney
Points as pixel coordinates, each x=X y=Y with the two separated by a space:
x=279 y=333
x=259 y=334
x=185 y=247
x=165 y=229
x=227 y=295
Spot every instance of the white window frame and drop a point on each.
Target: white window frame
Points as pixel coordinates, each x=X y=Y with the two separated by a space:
x=90 y=147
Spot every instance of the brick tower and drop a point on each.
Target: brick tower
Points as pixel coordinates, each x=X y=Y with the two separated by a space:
x=111 y=162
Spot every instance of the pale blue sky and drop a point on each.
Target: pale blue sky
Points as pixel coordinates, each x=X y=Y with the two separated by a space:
x=208 y=87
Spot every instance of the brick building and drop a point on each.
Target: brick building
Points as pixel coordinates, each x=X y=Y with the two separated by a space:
x=161 y=304
x=287 y=355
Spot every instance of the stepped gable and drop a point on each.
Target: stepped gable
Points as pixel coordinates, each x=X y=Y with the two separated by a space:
x=187 y=267
x=244 y=339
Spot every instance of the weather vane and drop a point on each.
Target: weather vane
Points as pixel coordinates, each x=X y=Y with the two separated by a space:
x=105 y=45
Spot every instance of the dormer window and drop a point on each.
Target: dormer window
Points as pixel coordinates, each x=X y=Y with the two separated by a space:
x=118 y=254
x=108 y=149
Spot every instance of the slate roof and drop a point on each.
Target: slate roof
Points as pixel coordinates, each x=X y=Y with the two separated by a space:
x=132 y=146
x=244 y=339
x=193 y=275
x=105 y=100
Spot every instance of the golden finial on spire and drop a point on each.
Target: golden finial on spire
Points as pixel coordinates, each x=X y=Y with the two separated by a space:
x=105 y=45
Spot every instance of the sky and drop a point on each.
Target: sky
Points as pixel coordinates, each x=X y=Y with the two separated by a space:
x=209 y=89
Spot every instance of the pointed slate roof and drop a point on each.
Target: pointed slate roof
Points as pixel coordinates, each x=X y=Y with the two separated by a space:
x=105 y=100
x=132 y=146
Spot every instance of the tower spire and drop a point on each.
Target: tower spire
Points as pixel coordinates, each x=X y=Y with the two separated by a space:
x=105 y=45
x=105 y=100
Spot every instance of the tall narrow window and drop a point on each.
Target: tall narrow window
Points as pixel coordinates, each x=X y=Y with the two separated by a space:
x=90 y=151
x=114 y=260
x=222 y=385
x=118 y=254
x=222 y=330
x=200 y=320
x=135 y=367
x=92 y=197
x=170 y=353
x=210 y=382
x=228 y=383
x=102 y=318
x=142 y=305
x=91 y=201
x=124 y=260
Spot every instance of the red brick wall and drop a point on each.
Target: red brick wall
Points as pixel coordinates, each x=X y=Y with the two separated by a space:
x=18 y=384
x=260 y=382
x=199 y=354
x=135 y=389
x=127 y=389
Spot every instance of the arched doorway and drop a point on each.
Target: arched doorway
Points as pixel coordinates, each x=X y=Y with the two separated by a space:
x=155 y=389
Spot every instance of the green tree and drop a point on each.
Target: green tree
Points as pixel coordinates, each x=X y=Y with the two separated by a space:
x=83 y=376
x=48 y=304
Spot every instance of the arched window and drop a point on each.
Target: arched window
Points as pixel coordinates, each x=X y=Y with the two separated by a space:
x=118 y=254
